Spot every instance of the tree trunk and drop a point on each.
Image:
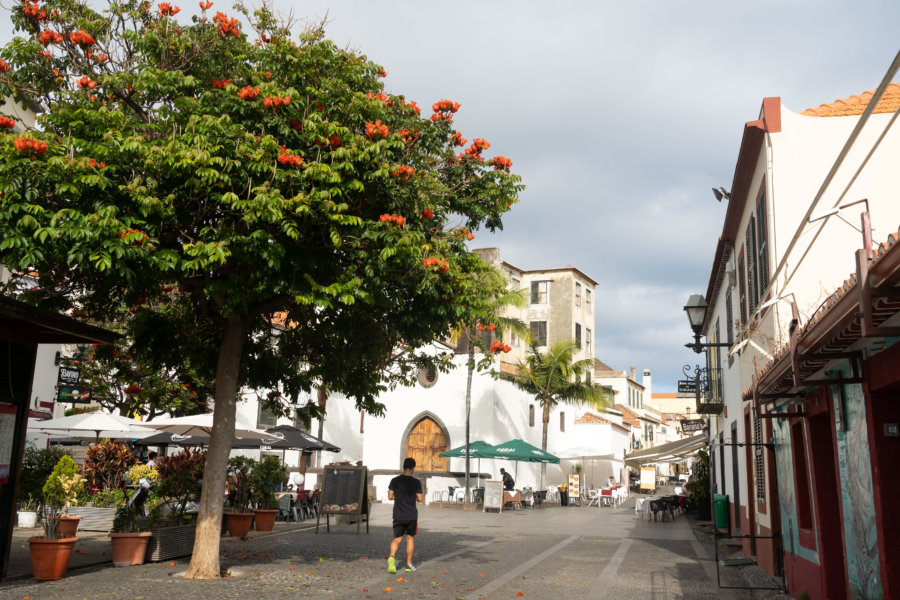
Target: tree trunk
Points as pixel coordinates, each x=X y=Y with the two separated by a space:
x=469 y=406
x=205 y=557
x=546 y=423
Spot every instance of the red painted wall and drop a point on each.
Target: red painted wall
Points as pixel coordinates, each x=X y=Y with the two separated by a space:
x=803 y=576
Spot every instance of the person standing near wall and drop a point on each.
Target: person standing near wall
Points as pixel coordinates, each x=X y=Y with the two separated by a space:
x=405 y=490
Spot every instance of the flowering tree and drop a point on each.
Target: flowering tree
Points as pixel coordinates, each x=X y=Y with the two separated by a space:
x=255 y=203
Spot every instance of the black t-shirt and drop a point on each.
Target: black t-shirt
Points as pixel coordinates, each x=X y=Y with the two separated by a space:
x=405 y=489
x=508 y=482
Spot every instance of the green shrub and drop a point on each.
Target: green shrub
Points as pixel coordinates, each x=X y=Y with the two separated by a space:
x=55 y=492
x=36 y=467
x=239 y=468
x=108 y=499
x=265 y=475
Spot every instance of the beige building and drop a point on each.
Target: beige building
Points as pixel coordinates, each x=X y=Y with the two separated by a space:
x=559 y=305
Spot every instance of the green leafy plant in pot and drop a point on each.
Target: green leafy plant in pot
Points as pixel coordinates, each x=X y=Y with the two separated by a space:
x=129 y=545
x=700 y=487
x=51 y=553
x=239 y=518
x=178 y=485
x=265 y=476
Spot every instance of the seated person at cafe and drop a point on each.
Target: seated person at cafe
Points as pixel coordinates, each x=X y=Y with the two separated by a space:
x=612 y=482
x=509 y=484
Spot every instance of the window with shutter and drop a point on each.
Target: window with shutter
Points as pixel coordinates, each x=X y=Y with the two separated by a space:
x=577 y=294
x=578 y=335
x=539 y=332
x=762 y=242
x=539 y=292
x=742 y=284
x=752 y=281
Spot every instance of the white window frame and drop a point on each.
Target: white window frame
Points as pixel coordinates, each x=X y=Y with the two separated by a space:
x=543 y=288
x=577 y=294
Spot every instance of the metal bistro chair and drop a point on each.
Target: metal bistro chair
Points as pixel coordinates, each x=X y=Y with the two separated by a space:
x=539 y=498
x=606 y=497
x=594 y=496
x=286 y=508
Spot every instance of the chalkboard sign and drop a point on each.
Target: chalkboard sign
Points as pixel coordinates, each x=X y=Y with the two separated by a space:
x=344 y=493
x=493 y=495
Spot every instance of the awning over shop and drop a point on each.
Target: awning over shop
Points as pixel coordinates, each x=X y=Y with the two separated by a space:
x=668 y=452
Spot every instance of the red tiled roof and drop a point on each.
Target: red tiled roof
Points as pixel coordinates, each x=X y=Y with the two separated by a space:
x=664 y=395
x=627 y=413
x=855 y=105
x=599 y=365
x=591 y=418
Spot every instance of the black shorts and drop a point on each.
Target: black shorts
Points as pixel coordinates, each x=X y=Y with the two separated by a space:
x=402 y=528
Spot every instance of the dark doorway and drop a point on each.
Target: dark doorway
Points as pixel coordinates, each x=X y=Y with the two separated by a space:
x=735 y=474
x=826 y=490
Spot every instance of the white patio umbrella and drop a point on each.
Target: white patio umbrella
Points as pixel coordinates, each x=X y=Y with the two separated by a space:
x=101 y=424
x=201 y=426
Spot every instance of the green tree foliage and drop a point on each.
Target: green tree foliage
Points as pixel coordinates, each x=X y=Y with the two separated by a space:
x=555 y=377
x=36 y=468
x=54 y=490
x=216 y=192
x=265 y=475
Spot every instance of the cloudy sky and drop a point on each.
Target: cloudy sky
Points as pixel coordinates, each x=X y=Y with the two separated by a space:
x=620 y=117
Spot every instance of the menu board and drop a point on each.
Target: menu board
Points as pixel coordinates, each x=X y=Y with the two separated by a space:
x=7 y=435
x=574 y=488
x=344 y=493
x=493 y=495
x=648 y=478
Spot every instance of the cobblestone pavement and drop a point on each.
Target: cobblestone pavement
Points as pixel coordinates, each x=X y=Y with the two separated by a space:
x=571 y=552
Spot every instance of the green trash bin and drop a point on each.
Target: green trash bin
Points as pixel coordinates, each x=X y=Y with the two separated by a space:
x=720 y=510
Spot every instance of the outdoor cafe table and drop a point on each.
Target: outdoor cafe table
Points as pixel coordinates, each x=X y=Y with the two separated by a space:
x=511 y=497
x=642 y=505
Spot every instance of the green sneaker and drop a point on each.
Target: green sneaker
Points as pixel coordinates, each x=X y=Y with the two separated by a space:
x=410 y=568
x=392 y=568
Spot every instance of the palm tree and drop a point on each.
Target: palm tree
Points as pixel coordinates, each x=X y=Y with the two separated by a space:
x=556 y=377
x=500 y=297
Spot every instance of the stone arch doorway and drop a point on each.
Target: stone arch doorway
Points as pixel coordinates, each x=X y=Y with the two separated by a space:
x=425 y=440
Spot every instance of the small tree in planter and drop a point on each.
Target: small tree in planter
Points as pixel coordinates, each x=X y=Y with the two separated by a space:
x=179 y=484
x=239 y=517
x=128 y=543
x=265 y=475
x=106 y=464
x=50 y=554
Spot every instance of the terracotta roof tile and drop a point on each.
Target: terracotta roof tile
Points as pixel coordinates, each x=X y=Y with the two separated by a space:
x=599 y=365
x=855 y=105
x=627 y=413
x=589 y=417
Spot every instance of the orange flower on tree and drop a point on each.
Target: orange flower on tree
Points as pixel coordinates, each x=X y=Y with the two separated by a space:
x=404 y=172
x=7 y=122
x=50 y=37
x=500 y=163
x=82 y=38
x=296 y=125
x=399 y=220
x=87 y=83
x=4 y=68
x=220 y=84
x=227 y=27
x=132 y=389
x=415 y=107
x=498 y=346
x=134 y=236
x=443 y=110
x=96 y=165
x=166 y=9
x=288 y=159
x=205 y=5
x=30 y=147
x=377 y=129
x=457 y=139
x=276 y=102
x=248 y=93
x=407 y=135
x=428 y=213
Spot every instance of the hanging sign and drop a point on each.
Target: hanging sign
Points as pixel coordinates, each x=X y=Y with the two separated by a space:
x=73 y=394
x=691 y=425
x=687 y=386
x=68 y=376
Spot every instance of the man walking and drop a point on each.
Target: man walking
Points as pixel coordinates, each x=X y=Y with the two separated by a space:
x=405 y=490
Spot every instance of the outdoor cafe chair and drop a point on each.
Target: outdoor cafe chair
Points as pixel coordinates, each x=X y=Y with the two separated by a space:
x=552 y=494
x=539 y=498
x=594 y=497
x=606 y=497
x=286 y=510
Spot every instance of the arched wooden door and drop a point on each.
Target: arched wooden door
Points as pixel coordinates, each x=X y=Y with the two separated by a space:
x=425 y=442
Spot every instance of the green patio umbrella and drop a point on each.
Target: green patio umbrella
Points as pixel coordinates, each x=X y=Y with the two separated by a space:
x=519 y=451
x=475 y=449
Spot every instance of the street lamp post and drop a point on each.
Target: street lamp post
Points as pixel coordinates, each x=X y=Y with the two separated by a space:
x=696 y=308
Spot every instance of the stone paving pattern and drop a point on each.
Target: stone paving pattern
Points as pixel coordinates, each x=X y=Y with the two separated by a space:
x=562 y=552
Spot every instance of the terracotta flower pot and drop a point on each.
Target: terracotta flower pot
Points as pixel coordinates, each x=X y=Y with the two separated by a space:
x=265 y=519
x=68 y=525
x=50 y=558
x=129 y=548
x=239 y=524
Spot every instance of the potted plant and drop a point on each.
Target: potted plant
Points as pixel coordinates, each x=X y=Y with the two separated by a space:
x=239 y=518
x=265 y=476
x=700 y=487
x=50 y=553
x=62 y=488
x=171 y=503
x=129 y=545
x=28 y=513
